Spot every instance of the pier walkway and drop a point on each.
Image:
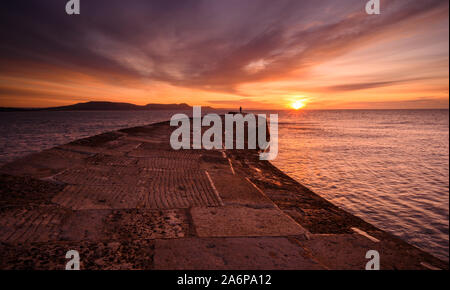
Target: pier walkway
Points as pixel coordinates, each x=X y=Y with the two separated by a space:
x=126 y=200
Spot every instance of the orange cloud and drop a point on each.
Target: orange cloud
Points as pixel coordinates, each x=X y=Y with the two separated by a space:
x=256 y=53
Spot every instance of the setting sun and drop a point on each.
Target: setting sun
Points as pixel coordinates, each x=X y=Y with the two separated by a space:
x=297 y=105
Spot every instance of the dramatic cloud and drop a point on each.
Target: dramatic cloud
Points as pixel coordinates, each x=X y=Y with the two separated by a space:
x=205 y=46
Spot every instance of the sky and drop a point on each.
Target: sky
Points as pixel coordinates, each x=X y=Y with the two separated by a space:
x=260 y=54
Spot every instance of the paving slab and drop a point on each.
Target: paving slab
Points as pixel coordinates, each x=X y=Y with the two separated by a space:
x=267 y=253
x=111 y=160
x=147 y=224
x=348 y=252
x=19 y=191
x=122 y=187
x=99 y=175
x=44 y=164
x=236 y=190
x=107 y=255
x=180 y=189
x=108 y=196
x=32 y=224
x=243 y=221
x=119 y=225
x=163 y=162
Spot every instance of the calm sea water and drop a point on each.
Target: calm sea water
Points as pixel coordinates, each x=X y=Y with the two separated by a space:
x=22 y=133
x=389 y=167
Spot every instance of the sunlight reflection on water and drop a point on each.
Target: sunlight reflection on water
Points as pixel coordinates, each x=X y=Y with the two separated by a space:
x=389 y=167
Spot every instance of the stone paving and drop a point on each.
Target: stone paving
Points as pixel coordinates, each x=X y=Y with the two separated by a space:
x=126 y=200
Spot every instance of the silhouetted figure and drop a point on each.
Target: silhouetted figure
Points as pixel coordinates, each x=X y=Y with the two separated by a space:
x=240 y=110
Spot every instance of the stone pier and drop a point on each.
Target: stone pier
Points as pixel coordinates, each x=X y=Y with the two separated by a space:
x=126 y=200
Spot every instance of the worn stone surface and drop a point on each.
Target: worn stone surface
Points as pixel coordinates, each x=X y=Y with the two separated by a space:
x=241 y=221
x=21 y=191
x=236 y=190
x=31 y=224
x=108 y=255
x=126 y=200
x=347 y=251
x=266 y=253
x=45 y=163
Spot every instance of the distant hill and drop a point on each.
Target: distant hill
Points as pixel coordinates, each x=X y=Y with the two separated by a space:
x=108 y=106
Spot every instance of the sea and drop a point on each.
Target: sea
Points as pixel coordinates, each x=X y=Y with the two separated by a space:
x=389 y=167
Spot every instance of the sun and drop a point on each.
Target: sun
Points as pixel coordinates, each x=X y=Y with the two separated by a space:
x=297 y=105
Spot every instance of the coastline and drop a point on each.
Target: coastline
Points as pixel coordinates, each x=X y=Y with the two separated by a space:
x=220 y=201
